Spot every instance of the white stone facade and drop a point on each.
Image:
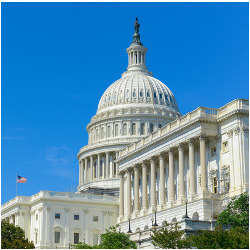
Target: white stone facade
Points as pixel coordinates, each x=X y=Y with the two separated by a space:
x=143 y=157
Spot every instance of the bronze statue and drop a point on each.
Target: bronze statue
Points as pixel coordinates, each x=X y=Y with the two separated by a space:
x=137 y=25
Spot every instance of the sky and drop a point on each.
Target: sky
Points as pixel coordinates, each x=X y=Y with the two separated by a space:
x=59 y=58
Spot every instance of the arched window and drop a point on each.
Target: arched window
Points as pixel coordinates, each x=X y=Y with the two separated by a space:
x=160 y=96
x=133 y=129
x=102 y=132
x=142 y=128
x=96 y=135
x=159 y=126
x=148 y=95
x=116 y=130
x=134 y=93
x=155 y=95
x=141 y=93
x=125 y=129
x=151 y=128
x=109 y=131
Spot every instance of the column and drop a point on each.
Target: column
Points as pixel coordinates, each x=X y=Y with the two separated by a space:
x=171 y=176
x=107 y=165
x=153 y=187
x=144 y=187
x=82 y=172
x=121 y=207
x=141 y=58
x=181 y=172
x=103 y=168
x=137 y=57
x=128 y=192
x=136 y=188
x=116 y=165
x=91 y=168
x=191 y=167
x=203 y=162
x=112 y=167
x=98 y=166
x=86 y=170
x=162 y=181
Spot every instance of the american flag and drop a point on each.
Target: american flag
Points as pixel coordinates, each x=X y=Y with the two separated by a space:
x=21 y=179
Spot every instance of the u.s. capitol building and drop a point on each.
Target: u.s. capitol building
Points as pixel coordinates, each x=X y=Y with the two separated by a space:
x=144 y=164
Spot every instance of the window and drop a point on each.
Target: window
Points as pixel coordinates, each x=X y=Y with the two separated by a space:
x=95 y=218
x=102 y=133
x=213 y=150
x=141 y=93
x=57 y=216
x=95 y=167
x=95 y=238
x=151 y=127
x=134 y=93
x=127 y=94
x=36 y=236
x=116 y=130
x=155 y=95
x=160 y=96
x=100 y=167
x=125 y=128
x=96 y=135
x=159 y=126
x=76 y=238
x=215 y=187
x=148 y=95
x=76 y=216
x=57 y=237
x=225 y=147
x=36 y=216
x=109 y=131
x=142 y=129
x=133 y=129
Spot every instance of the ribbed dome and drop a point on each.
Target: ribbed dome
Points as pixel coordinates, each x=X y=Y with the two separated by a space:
x=137 y=88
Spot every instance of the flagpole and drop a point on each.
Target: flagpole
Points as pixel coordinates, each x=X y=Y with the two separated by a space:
x=16 y=185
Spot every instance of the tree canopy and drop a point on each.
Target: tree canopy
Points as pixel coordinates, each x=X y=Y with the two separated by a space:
x=14 y=237
x=112 y=239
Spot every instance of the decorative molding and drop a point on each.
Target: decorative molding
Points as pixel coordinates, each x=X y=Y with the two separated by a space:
x=202 y=136
x=237 y=130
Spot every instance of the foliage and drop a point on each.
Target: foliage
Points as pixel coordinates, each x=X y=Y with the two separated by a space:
x=237 y=213
x=234 y=238
x=170 y=236
x=14 y=237
x=112 y=239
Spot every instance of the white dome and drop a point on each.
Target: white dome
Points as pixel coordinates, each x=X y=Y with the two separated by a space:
x=137 y=88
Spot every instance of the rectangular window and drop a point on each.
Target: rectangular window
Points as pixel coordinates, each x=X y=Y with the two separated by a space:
x=76 y=238
x=95 y=218
x=36 y=234
x=225 y=147
x=213 y=151
x=95 y=239
x=76 y=216
x=215 y=188
x=57 y=216
x=57 y=237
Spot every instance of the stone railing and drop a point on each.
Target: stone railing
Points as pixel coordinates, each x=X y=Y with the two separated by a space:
x=16 y=200
x=200 y=112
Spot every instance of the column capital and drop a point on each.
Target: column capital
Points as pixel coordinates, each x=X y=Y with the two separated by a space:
x=136 y=167
x=128 y=170
x=171 y=151
x=121 y=174
x=144 y=165
x=161 y=157
x=180 y=147
x=191 y=142
x=202 y=136
x=152 y=160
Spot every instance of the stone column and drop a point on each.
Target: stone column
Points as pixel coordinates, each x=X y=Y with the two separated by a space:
x=171 y=176
x=107 y=165
x=181 y=172
x=144 y=187
x=86 y=170
x=192 y=167
x=162 y=181
x=91 y=168
x=82 y=173
x=153 y=187
x=116 y=165
x=121 y=207
x=98 y=166
x=136 y=188
x=128 y=192
x=203 y=162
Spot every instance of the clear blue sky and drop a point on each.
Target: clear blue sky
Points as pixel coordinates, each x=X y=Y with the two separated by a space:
x=59 y=58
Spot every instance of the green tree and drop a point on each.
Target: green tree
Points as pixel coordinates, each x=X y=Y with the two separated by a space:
x=14 y=237
x=170 y=236
x=112 y=239
x=234 y=238
x=237 y=213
